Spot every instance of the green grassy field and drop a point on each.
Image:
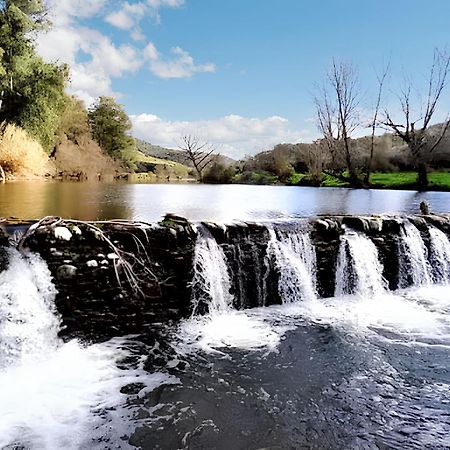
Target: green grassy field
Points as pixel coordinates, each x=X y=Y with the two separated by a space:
x=383 y=180
x=404 y=180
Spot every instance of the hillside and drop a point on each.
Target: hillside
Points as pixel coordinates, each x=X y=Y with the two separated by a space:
x=151 y=168
x=171 y=154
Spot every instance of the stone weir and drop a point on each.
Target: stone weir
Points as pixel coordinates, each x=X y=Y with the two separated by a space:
x=118 y=277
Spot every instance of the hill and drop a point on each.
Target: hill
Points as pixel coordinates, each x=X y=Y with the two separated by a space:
x=171 y=154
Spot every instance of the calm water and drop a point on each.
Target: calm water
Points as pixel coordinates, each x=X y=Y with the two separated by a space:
x=149 y=202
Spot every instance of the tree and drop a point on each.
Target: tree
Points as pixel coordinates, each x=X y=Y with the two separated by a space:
x=375 y=123
x=200 y=153
x=419 y=139
x=110 y=127
x=337 y=114
x=31 y=91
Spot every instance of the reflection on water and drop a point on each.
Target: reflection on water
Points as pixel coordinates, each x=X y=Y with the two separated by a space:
x=149 y=202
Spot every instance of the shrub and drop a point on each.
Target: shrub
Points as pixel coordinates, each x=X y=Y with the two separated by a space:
x=19 y=153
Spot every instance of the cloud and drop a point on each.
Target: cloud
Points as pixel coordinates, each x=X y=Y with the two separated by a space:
x=96 y=59
x=181 y=66
x=128 y=17
x=234 y=135
x=63 y=12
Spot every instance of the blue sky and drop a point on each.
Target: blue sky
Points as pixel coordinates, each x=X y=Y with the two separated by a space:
x=242 y=73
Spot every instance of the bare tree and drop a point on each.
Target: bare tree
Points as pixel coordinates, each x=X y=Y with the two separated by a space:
x=337 y=113
x=375 y=122
x=200 y=153
x=419 y=139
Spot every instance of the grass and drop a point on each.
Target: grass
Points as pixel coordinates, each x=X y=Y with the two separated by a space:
x=405 y=180
x=383 y=180
x=20 y=154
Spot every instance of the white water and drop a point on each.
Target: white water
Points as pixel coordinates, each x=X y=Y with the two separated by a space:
x=223 y=326
x=440 y=255
x=211 y=283
x=359 y=270
x=295 y=260
x=50 y=392
x=413 y=257
x=28 y=323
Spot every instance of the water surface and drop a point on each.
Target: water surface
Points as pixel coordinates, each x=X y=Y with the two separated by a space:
x=150 y=202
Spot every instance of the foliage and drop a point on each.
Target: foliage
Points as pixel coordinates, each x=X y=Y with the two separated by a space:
x=110 y=126
x=219 y=173
x=74 y=122
x=253 y=177
x=19 y=153
x=32 y=91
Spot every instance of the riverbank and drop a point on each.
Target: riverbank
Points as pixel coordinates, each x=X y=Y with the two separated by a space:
x=438 y=181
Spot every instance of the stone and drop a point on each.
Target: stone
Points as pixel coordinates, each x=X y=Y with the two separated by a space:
x=66 y=272
x=63 y=233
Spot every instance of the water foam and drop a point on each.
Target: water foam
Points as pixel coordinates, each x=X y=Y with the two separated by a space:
x=359 y=270
x=222 y=327
x=295 y=260
x=439 y=255
x=53 y=395
x=414 y=267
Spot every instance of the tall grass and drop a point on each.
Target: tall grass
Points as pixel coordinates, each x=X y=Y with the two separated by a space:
x=20 y=154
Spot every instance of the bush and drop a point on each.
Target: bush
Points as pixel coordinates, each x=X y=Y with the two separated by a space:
x=19 y=153
x=219 y=173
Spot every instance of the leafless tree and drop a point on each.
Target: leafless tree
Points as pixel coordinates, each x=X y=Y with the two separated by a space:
x=200 y=153
x=337 y=113
x=419 y=139
x=375 y=121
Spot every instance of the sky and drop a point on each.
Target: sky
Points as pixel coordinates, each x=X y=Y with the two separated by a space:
x=241 y=74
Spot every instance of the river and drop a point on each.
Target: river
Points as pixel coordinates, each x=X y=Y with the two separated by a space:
x=365 y=369
x=149 y=202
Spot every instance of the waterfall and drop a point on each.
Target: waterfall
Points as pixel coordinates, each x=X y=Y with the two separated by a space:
x=54 y=394
x=414 y=267
x=359 y=270
x=211 y=284
x=295 y=260
x=28 y=323
x=439 y=255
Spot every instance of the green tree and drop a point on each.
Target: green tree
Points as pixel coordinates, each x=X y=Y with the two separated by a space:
x=110 y=127
x=74 y=122
x=31 y=91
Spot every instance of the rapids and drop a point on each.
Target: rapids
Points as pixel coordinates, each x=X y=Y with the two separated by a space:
x=366 y=368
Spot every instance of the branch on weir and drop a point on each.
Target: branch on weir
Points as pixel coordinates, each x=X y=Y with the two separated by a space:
x=126 y=260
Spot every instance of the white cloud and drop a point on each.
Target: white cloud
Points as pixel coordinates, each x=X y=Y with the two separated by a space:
x=150 y=52
x=128 y=17
x=95 y=59
x=62 y=12
x=91 y=76
x=181 y=66
x=234 y=135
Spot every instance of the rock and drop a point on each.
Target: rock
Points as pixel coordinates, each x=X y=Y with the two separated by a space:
x=356 y=223
x=63 y=233
x=66 y=272
x=424 y=208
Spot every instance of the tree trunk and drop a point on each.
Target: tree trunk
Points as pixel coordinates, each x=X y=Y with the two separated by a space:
x=422 y=176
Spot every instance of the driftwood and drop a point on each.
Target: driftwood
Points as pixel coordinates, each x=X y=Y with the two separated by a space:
x=125 y=260
x=2 y=175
